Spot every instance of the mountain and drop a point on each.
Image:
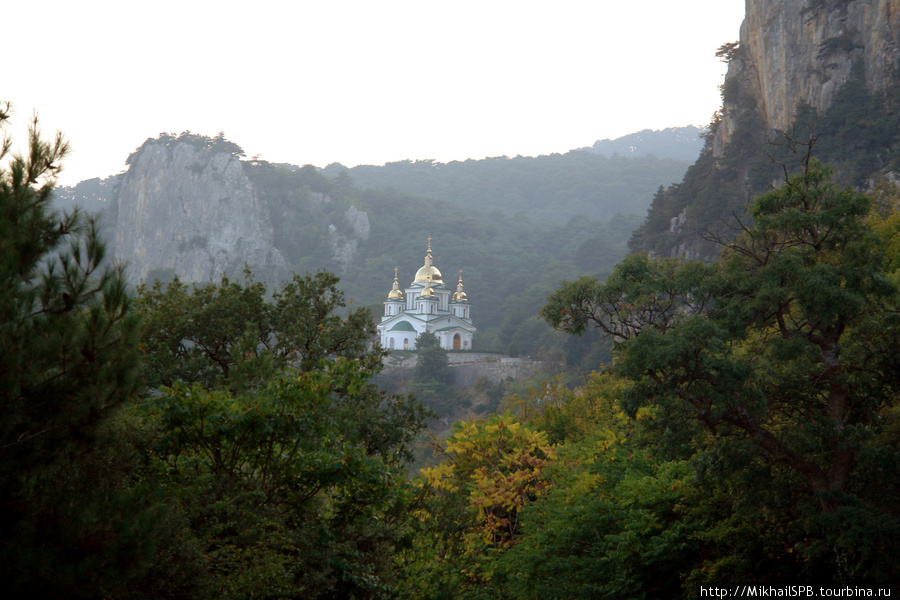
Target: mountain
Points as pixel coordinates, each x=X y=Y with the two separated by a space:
x=679 y=143
x=551 y=188
x=806 y=76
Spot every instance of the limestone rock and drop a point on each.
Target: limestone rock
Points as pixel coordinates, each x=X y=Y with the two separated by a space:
x=359 y=222
x=793 y=50
x=343 y=249
x=185 y=206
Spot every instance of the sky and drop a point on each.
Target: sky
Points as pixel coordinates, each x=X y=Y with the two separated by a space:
x=360 y=81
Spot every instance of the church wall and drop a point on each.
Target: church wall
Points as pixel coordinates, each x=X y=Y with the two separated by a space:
x=426 y=313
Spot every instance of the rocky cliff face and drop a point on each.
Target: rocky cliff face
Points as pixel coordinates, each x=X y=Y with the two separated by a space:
x=805 y=50
x=188 y=206
x=826 y=71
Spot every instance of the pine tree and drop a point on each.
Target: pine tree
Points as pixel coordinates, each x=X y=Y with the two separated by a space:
x=68 y=357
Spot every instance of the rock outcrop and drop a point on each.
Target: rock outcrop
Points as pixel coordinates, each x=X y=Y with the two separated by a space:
x=803 y=51
x=188 y=206
x=823 y=72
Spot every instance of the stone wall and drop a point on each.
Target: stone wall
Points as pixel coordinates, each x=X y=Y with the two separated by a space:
x=469 y=367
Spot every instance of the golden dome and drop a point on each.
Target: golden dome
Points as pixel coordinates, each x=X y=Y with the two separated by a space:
x=395 y=293
x=427 y=292
x=460 y=295
x=428 y=269
x=423 y=273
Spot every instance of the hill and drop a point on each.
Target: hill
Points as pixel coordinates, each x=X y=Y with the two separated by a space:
x=550 y=188
x=680 y=143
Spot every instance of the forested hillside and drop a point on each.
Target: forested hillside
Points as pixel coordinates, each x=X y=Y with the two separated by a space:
x=543 y=188
x=510 y=263
x=680 y=143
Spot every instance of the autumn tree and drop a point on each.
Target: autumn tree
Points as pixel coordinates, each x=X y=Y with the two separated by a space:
x=491 y=471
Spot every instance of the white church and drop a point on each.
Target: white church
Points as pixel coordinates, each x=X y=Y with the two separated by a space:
x=427 y=305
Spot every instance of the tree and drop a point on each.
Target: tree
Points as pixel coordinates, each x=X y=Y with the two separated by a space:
x=297 y=490
x=786 y=348
x=492 y=470
x=228 y=334
x=432 y=376
x=431 y=361
x=308 y=329
x=68 y=350
x=201 y=334
x=285 y=464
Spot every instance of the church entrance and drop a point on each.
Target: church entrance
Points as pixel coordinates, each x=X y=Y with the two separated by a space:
x=457 y=342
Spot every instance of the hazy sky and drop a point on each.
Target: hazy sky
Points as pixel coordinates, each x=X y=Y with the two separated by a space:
x=361 y=81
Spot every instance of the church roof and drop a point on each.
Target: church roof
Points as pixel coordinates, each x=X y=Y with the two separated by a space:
x=395 y=293
x=428 y=269
x=460 y=295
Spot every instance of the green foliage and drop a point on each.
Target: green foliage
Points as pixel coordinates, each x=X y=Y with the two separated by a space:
x=784 y=352
x=70 y=525
x=302 y=204
x=283 y=463
x=191 y=333
x=297 y=490
x=431 y=378
x=611 y=529
x=885 y=221
x=308 y=328
x=431 y=364
x=230 y=335
x=544 y=188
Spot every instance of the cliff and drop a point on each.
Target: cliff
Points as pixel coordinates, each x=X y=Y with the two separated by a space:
x=189 y=206
x=804 y=51
x=186 y=204
x=820 y=71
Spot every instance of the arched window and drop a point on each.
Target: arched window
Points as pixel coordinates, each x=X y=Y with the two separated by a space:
x=406 y=343
x=392 y=343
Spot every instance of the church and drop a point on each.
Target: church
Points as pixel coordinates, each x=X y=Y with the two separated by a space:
x=427 y=305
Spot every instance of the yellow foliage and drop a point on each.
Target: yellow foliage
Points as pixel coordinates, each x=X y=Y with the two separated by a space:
x=498 y=465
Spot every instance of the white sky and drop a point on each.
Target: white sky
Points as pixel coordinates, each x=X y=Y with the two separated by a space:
x=360 y=81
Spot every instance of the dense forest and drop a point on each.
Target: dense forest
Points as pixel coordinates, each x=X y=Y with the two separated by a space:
x=510 y=262
x=550 y=188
